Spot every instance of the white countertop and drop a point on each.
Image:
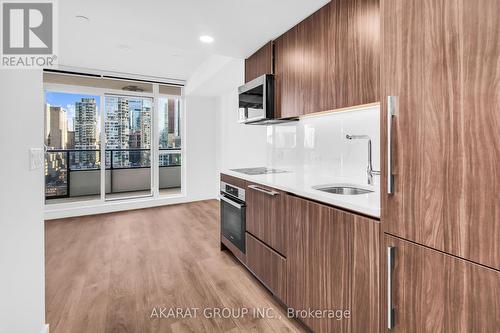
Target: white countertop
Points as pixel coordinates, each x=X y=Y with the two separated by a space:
x=300 y=183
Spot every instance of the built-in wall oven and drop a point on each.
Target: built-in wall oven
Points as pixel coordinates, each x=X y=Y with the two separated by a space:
x=232 y=214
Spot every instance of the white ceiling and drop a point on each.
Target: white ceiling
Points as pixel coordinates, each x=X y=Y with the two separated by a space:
x=160 y=38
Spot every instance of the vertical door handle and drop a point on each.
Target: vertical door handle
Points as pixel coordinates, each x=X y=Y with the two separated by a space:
x=390 y=309
x=391 y=112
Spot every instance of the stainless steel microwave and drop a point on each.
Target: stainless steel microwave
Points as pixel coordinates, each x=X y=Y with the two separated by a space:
x=256 y=100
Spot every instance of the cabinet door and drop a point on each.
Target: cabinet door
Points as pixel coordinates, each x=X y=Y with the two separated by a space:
x=333 y=264
x=330 y=60
x=318 y=262
x=289 y=51
x=267 y=265
x=365 y=272
x=361 y=58
x=440 y=58
x=304 y=66
x=266 y=215
x=435 y=292
x=259 y=63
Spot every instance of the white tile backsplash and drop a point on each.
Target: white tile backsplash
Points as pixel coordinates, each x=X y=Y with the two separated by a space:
x=318 y=144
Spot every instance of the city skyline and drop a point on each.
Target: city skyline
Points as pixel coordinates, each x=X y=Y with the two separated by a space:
x=72 y=126
x=66 y=101
x=169 y=116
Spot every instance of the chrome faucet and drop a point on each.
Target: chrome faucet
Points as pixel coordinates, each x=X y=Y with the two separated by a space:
x=369 y=169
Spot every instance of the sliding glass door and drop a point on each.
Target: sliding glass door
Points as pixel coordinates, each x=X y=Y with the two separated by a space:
x=128 y=125
x=72 y=158
x=109 y=139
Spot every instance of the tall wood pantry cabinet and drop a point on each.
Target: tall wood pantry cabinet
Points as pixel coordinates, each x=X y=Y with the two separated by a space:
x=440 y=111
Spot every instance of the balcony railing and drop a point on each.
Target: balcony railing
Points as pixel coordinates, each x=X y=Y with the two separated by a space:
x=76 y=172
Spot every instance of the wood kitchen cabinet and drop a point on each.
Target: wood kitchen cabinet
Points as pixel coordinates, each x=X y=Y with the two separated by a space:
x=268 y=265
x=259 y=63
x=330 y=60
x=436 y=292
x=440 y=61
x=241 y=183
x=265 y=217
x=332 y=264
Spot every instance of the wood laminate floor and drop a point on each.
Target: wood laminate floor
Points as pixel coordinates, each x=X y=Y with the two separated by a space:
x=108 y=273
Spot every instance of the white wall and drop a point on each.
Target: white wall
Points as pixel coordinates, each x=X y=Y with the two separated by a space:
x=236 y=145
x=22 y=286
x=239 y=145
x=200 y=147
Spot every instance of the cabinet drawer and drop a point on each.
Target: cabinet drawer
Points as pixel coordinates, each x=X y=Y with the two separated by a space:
x=266 y=215
x=267 y=265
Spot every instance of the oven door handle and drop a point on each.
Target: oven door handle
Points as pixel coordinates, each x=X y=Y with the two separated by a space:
x=231 y=202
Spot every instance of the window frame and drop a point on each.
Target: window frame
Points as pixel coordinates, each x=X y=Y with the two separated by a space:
x=155 y=96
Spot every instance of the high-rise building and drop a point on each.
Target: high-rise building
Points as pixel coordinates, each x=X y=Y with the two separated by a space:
x=70 y=141
x=117 y=128
x=86 y=134
x=140 y=121
x=170 y=131
x=174 y=132
x=170 y=134
x=55 y=127
x=146 y=127
x=171 y=115
x=135 y=140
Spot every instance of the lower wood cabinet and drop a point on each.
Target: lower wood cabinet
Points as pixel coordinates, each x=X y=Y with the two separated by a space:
x=266 y=215
x=267 y=265
x=332 y=265
x=435 y=292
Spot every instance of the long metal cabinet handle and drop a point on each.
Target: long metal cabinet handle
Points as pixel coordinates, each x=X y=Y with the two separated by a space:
x=260 y=189
x=390 y=309
x=391 y=112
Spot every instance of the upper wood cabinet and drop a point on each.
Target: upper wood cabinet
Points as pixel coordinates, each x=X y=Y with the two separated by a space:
x=330 y=60
x=441 y=61
x=259 y=63
x=266 y=215
x=332 y=264
x=435 y=292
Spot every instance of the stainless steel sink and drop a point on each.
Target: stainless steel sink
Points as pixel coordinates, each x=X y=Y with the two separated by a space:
x=344 y=189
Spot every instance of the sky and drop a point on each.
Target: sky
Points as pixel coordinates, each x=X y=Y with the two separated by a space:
x=67 y=102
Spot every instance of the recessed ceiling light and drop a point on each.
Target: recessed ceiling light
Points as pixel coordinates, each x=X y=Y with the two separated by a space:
x=82 y=18
x=206 y=39
x=124 y=47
